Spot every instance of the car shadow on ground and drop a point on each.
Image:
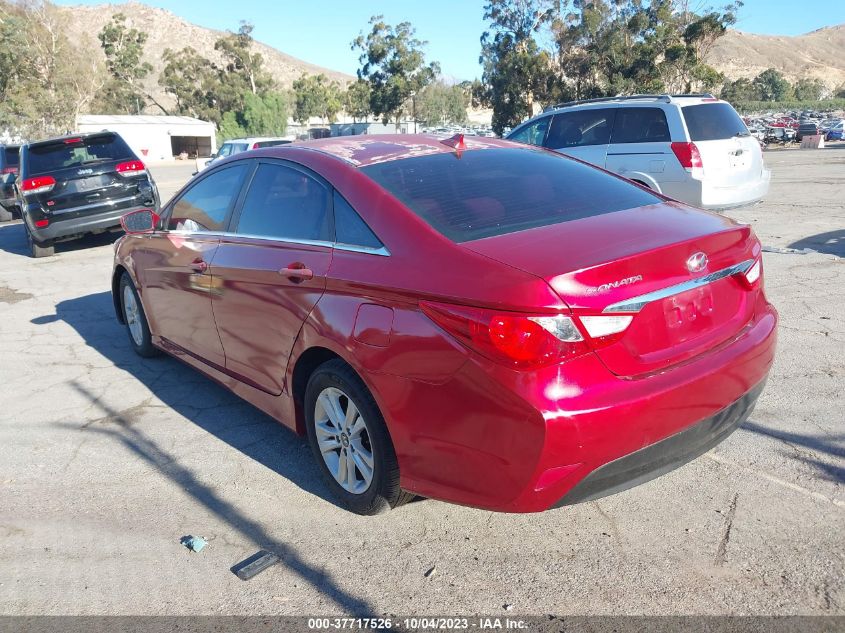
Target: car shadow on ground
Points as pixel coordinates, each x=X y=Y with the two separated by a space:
x=215 y=410
x=830 y=243
x=13 y=240
x=809 y=449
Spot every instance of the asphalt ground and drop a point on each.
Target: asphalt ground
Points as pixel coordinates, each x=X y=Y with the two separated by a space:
x=107 y=460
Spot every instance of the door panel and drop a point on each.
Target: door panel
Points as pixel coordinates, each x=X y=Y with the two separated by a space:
x=259 y=310
x=177 y=292
x=642 y=144
x=272 y=270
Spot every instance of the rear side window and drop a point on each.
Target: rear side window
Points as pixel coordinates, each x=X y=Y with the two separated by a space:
x=232 y=148
x=204 y=206
x=349 y=228
x=533 y=133
x=67 y=153
x=285 y=203
x=10 y=157
x=576 y=129
x=713 y=122
x=640 y=125
x=490 y=192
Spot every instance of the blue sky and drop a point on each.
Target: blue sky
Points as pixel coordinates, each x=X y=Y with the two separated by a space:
x=319 y=31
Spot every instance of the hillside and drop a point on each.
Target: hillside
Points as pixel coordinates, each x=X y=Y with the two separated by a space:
x=819 y=54
x=167 y=30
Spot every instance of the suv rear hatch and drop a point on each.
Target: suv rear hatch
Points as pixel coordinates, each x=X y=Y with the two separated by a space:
x=85 y=174
x=634 y=263
x=730 y=156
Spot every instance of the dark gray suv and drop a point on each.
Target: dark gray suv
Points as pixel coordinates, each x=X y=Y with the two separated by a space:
x=73 y=185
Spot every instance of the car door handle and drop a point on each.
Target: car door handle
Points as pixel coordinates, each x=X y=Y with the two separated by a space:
x=297 y=272
x=198 y=265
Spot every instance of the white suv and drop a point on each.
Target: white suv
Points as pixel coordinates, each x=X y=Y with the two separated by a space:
x=694 y=148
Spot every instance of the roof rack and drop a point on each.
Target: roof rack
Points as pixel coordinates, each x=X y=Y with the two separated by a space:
x=666 y=98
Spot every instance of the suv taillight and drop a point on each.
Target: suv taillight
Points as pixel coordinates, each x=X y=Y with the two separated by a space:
x=526 y=341
x=130 y=168
x=39 y=184
x=689 y=157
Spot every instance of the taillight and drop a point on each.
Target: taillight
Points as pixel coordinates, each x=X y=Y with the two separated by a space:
x=752 y=275
x=130 y=168
x=689 y=157
x=9 y=170
x=526 y=341
x=254 y=145
x=39 y=184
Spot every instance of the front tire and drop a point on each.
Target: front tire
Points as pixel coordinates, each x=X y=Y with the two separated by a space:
x=135 y=319
x=350 y=441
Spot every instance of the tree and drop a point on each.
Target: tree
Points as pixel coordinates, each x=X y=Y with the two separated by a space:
x=516 y=70
x=439 y=104
x=393 y=62
x=740 y=91
x=772 y=86
x=192 y=80
x=266 y=115
x=356 y=100
x=316 y=96
x=124 y=48
x=809 y=89
x=45 y=79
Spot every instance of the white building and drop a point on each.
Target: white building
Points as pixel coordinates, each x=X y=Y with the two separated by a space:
x=156 y=138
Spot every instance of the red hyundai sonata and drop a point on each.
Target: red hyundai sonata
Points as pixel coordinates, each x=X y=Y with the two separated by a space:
x=470 y=320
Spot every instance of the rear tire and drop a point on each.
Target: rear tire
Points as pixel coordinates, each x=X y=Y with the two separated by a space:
x=365 y=473
x=36 y=249
x=135 y=319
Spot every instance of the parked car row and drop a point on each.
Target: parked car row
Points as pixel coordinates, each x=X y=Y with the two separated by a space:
x=470 y=319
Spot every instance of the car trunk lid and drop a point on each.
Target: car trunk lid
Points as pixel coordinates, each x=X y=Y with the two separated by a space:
x=601 y=265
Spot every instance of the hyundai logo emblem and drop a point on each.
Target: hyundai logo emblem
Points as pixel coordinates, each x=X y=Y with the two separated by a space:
x=697 y=262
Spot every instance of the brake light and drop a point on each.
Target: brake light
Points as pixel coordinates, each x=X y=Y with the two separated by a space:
x=689 y=157
x=516 y=340
x=130 y=168
x=42 y=223
x=39 y=184
x=72 y=141
x=254 y=145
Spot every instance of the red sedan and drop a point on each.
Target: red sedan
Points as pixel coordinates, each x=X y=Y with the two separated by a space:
x=470 y=320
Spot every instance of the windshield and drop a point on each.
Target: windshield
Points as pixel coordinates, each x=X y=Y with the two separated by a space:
x=484 y=193
x=65 y=153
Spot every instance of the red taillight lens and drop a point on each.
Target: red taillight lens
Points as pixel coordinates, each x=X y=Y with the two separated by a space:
x=516 y=340
x=254 y=145
x=753 y=274
x=42 y=223
x=131 y=168
x=688 y=155
x=39 y=184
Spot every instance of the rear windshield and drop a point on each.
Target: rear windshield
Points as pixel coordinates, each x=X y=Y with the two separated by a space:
x=484 y=193
x=713 y=121
x=10 y=156
x=64 y=153
x=269 y=143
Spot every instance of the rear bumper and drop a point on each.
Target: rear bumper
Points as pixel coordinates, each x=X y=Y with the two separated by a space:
x=705 y=195
x=510 y=441
x=663 y=456
x=61 y=227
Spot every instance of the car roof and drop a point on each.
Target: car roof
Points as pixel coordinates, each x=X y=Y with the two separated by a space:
x=255 y=139
x=48 y=141
x=369 y=149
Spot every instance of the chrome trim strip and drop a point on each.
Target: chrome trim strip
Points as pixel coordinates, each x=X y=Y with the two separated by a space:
x=383 y=252
x=635 y=304
x=104 y=203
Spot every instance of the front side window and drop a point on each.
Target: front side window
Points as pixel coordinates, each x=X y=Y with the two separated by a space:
x=285 y=203
x=204 y=206
x=585 y=127
x=640 y=125
x=533 y=133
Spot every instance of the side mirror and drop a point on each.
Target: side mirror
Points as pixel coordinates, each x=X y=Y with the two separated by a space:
x=141 y=221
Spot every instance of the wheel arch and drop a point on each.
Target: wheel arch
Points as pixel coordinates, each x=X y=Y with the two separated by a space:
x=118 y=273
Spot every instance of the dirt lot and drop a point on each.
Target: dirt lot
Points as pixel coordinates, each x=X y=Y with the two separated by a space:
x=107 y=460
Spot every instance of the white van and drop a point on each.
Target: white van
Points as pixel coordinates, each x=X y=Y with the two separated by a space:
x=694 y=148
